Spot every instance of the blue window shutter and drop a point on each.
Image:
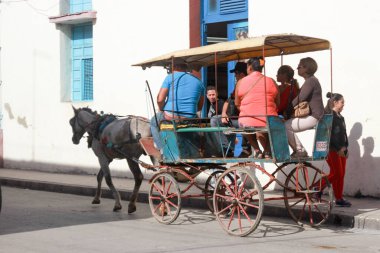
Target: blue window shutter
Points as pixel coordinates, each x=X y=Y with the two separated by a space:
x=80 y=5
x=232 y=6
x=215 y=11
x=82 y=62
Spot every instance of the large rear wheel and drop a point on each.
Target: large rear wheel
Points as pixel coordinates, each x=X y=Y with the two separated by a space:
x=165 y=198
x=239 y=203
x=308 y=195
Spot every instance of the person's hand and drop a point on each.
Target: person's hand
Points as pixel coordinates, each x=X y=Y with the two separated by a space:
x=225 y=120
x=343 y=152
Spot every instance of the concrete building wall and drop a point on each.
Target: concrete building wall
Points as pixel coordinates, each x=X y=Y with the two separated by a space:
x=34 y=52
x=34 y=75
x=352 y=28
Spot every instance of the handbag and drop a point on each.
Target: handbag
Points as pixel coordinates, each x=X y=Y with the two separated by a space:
x=301 y=110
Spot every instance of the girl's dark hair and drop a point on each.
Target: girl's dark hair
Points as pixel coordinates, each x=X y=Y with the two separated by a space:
x=289 y=72
x=333 y=97
x=257 y=63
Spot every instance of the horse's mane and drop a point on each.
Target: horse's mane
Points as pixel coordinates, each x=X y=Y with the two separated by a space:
x=88 y=110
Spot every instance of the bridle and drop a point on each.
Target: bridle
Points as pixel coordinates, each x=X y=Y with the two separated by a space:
x=76 y=121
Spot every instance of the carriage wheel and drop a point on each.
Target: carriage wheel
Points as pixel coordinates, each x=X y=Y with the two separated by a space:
x=239 y=203
x=210 y=187
x=165 y=198
x=305 y=200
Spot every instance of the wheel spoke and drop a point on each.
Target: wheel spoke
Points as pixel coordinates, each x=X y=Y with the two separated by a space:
x=171 y=203
x=250 y=205
x=228 y=198
x=224 y=209
x=231 y=217
x=159 y=190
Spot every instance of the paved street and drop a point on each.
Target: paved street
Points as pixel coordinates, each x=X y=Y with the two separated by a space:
x=38 y=221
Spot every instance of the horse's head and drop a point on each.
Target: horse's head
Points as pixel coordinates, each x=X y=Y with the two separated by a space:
x=77 y=126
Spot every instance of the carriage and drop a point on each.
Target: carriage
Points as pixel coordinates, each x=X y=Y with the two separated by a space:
x=232 y=191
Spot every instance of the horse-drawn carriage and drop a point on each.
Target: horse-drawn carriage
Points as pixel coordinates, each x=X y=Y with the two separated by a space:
x=232 y=190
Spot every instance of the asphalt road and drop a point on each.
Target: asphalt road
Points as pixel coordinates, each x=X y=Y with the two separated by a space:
x=37 y=221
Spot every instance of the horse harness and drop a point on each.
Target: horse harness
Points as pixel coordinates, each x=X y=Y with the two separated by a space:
x=110 y=148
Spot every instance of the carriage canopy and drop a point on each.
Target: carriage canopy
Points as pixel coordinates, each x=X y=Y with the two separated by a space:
x=268 y=45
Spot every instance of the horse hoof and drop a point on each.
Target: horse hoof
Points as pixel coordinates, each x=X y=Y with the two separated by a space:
x=117 y=208
x=96 y=201
x=131 y=209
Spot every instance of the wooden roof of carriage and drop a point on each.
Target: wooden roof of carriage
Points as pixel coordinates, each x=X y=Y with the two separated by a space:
x=268 y=45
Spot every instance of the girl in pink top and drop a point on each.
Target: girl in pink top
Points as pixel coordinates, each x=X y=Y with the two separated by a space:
x=256 y=96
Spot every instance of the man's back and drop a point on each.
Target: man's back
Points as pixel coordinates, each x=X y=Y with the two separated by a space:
x=187 y=91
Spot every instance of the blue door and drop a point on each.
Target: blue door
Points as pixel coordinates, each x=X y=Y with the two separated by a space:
x=235 y=31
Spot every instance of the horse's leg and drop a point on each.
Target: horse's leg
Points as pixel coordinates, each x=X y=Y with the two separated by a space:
x=134 y=167
x=96 y=199
x=104 y=163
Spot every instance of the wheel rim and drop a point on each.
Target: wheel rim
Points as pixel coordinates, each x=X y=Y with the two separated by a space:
x=238 y=204
x=301 y=195
x=164 y=198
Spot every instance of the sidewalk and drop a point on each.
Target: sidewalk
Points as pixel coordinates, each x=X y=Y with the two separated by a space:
x=364 y=213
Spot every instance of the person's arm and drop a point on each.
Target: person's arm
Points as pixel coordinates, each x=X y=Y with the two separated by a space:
x=224 y=112
x=304 y=94
x=201 y=102
x=161 y=98
x=277 y=99
x=237 y=98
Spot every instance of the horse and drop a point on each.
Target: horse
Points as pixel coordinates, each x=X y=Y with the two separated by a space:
x=111 y=137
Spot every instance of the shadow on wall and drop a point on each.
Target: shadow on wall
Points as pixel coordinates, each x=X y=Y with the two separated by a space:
x=363 y=171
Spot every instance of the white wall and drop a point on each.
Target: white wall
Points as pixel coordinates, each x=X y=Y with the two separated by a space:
x=352 y=28
x=36 y=130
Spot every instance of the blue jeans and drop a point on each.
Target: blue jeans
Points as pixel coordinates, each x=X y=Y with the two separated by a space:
x=154 y=128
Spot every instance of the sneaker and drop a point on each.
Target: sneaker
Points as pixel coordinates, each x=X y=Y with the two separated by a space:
x=342 y=203
x=299 y=154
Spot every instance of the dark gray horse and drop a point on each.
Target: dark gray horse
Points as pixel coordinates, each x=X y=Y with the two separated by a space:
x=111 y=137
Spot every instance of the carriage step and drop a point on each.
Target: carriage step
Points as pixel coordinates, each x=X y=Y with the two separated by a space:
x=148 y=145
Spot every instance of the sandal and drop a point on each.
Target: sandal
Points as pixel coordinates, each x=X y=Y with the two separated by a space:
x=267 y=155
x=245 y=153
x=258 y=154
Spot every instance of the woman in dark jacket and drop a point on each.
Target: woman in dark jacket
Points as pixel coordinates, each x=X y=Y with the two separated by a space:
x=338 y=151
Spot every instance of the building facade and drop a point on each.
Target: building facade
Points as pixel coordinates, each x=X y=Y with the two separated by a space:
x=64 y=53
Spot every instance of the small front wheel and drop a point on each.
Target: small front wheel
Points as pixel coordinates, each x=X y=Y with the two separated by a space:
x=238 y=203
x=165 y=198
